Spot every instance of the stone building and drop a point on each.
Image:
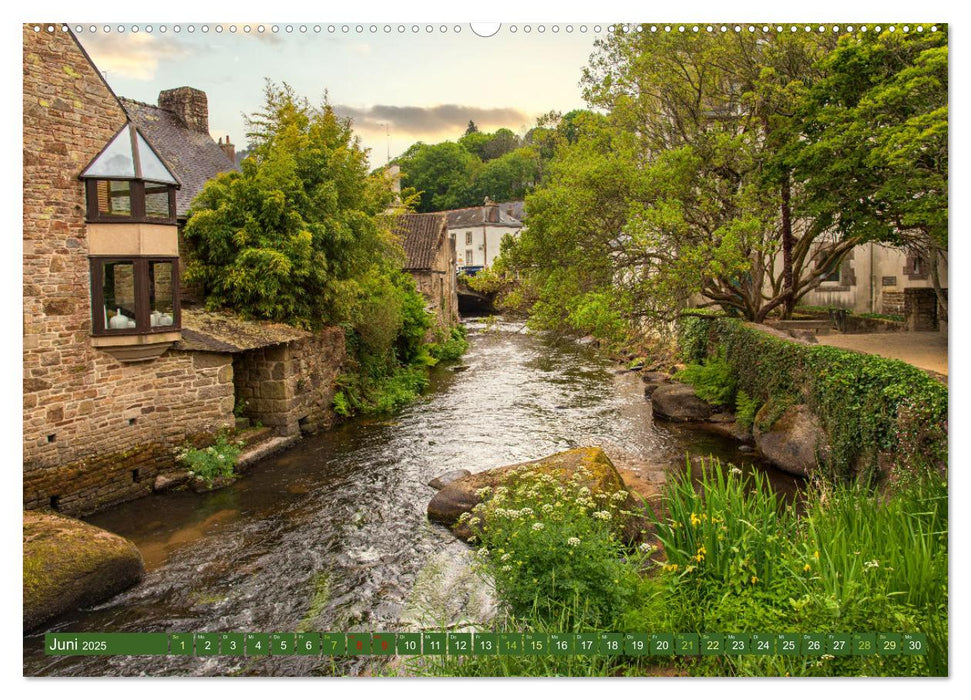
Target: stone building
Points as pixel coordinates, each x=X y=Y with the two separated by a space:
x=884 y=279
x=430 y=260
x=283 y=377
x=116 y=376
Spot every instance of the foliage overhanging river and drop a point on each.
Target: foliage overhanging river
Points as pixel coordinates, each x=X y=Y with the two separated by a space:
x=332 y=535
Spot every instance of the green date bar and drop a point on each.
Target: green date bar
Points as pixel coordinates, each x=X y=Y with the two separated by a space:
x=106 y=644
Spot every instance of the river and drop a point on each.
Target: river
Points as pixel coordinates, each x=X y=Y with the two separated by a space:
x=332 y=535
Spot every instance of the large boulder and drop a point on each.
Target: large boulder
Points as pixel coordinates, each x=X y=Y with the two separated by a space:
x=70 y=564
x=461 y=496
x=795 y=442
x=678 y=403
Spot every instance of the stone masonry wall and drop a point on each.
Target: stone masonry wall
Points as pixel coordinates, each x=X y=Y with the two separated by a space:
x=94 y=428
x=290 y=387
x=920 y=309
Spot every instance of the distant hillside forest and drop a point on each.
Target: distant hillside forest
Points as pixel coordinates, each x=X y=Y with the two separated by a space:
x=500 y=165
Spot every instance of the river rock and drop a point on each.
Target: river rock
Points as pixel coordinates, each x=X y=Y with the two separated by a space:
x=440 y=482
x=170 y=480
x=655 y=378
x=69 y=564
x=679 y=403
x=461 y=495
x=794 y=441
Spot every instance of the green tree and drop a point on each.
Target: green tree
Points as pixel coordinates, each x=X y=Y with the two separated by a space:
x=872 y=145
x=443 y=173
x=724 y=103
x=285 y=238
x=509 y=176
x=471 y=128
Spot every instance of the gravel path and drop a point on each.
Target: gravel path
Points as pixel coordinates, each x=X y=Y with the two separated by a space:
x=927 y=350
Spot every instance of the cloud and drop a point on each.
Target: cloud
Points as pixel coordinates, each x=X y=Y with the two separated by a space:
x=133 y=56
x=428 y=121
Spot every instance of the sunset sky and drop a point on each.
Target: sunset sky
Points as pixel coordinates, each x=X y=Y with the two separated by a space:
x=414 y=86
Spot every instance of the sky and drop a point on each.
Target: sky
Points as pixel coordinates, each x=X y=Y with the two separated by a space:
x=397 y=86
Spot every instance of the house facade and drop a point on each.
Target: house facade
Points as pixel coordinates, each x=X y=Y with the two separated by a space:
x=430 y=259
x=478 y=231
x=884 y=279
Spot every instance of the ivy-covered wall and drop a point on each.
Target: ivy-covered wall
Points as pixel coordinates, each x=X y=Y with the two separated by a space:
x=876 y=411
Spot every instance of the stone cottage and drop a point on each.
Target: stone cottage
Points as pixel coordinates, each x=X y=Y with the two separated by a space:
x=430 y=260
x=115 y=374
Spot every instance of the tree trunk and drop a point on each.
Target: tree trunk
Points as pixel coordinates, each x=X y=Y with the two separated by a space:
x=933 y=261
x=789 y=285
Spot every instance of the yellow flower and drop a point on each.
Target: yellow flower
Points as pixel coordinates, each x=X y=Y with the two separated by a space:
x=816 y=555
x=806 y=567
x=695 y=519
x=755 y=579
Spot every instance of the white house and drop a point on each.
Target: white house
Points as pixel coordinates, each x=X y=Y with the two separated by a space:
x=478 y=231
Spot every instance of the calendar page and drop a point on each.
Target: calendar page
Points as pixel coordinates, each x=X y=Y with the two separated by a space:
x=424 y=349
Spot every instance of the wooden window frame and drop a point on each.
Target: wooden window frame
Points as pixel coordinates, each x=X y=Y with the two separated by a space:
x=143 y=320
x=138 y=215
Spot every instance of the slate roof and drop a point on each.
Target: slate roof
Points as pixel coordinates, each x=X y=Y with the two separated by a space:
x=421 y=236
x=493 y=215
x=221 y=331
x=516 y=209
x=192 y=156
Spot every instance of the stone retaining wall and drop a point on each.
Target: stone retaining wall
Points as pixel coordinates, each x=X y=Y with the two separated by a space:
x=291 y=386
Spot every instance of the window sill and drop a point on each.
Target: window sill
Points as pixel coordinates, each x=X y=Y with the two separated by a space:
x=137 y=347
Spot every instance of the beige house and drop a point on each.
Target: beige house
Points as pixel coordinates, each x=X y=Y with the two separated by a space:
x=883 y=279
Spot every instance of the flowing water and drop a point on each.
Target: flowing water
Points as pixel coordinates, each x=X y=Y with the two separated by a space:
x=332 y=534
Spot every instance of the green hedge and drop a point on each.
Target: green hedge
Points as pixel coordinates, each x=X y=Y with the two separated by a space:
x=867 y=404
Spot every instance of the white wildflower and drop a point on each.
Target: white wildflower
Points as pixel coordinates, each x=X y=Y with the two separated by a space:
x=506 y=556
x=646 y=547
x=735 y=471
x=526 y=512
x=872 y=564
x=506 y=568
x=619 y=496
x=602 y=515
x=547 y=508
x=538 y=526
x=573 y=541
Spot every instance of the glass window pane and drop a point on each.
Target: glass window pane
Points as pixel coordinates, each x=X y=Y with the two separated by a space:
x=114 y=198
x=157 y=201
x=116 y=160
x=152 y=168
x=119 y=295
x=161 y=293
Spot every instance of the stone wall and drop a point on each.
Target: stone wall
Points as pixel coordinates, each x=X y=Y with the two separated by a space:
x=95 y=430
x=893 y=303
x=102 y=438
x=920 y=309
x=290 y=387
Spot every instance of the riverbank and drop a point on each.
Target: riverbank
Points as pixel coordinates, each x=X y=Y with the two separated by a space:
x=333 y=532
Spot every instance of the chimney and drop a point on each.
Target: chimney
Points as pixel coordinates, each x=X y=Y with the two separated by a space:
x=190 y=104
x=394 y=174
x=228 y=148
x=491 y=211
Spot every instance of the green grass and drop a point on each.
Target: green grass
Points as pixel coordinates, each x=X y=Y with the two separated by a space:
x=735 y=557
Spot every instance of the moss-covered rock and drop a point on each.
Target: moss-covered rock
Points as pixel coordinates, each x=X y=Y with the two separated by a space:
x=69 y=564
x=462 y=495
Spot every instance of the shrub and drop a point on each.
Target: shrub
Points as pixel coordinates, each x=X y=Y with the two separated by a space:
x=554 y=552
x=714 y=381
x=210 y=463
x=745 y=409
x=450 y=347
x=867 y=404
